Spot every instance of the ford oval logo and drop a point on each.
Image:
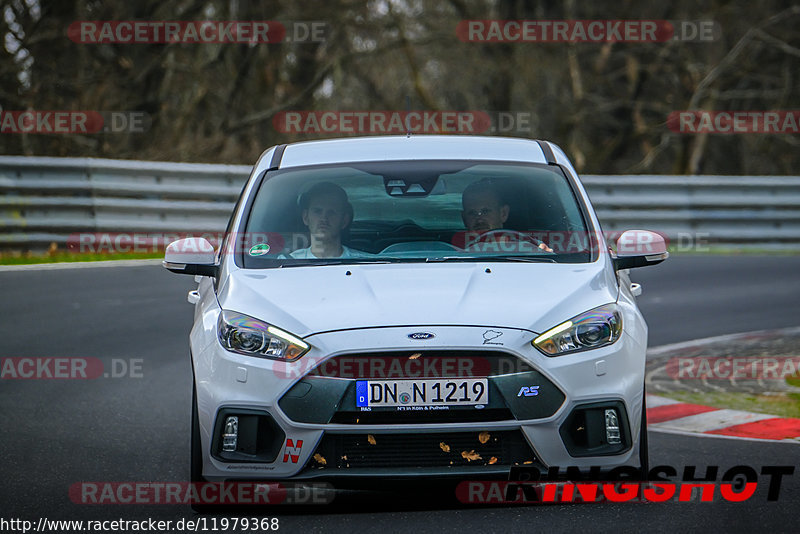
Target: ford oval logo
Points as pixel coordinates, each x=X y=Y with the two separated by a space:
x=421 y=335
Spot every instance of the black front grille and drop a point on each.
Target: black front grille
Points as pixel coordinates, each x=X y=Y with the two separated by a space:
x=440 y=449
x=470 y=415
x=327 y=394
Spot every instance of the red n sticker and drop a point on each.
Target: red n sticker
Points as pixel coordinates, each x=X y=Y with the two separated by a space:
x=292 y=450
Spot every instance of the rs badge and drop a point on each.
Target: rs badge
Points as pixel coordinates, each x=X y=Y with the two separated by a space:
x=528 y=391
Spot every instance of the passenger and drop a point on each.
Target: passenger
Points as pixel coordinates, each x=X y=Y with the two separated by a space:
x=326 y=212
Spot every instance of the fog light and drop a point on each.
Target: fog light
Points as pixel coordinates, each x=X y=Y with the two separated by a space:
x=612 y=427
x=230 y=434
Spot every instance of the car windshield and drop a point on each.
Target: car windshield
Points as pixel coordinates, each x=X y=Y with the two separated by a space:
x=415 y=211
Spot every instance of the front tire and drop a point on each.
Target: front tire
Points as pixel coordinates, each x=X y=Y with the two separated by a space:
x=196 y=466
x=644 y=453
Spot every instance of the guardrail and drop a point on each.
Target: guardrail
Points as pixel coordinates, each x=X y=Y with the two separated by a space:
x=45 y=200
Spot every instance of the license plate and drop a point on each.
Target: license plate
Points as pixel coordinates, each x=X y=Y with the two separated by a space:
x=442 y=392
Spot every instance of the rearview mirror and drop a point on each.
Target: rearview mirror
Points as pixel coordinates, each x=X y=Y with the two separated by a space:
x=193 y=255
x=639 y=248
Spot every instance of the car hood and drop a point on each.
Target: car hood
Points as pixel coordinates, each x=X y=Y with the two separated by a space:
x=313 y=299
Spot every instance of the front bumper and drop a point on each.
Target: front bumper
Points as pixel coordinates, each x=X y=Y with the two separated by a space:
x=315 y=418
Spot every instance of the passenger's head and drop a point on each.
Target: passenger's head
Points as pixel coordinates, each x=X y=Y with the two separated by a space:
x=483 y=207
x=326 y=211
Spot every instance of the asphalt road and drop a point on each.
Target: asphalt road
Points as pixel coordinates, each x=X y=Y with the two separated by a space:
x=55 y=433
x=690 y=297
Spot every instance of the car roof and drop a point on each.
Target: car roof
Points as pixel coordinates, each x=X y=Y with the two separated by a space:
x=414 y=147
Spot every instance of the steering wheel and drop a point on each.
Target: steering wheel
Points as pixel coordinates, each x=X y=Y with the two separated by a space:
x=501 y=232
x=506 y=235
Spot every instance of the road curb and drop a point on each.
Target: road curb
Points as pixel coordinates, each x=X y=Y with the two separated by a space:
x=662 y=350
x=671 y=416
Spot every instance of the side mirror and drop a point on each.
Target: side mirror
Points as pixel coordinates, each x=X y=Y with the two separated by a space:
x=193 y=255
x=639 y=248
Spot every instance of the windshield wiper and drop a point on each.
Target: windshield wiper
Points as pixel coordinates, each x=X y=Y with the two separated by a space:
x=436 y=259
x=450 y=258
x=332 y=261
x=521 y=259
x=524 y=259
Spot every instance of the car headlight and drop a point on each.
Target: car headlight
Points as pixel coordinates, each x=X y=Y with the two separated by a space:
x=590 y=330
x=245 y=335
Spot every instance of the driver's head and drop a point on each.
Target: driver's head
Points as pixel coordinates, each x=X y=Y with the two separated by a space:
x=326 y=211
x=483 y=208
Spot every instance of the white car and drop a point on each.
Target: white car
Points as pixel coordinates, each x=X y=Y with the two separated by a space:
x=414 y=306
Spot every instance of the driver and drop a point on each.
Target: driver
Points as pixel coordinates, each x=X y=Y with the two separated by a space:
x=326 y=212
x=484 y=211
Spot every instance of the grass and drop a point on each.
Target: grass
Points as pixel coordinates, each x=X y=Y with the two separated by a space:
x=730 y=251
x=784 y=404
x=793 y=381
x=30 y=258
